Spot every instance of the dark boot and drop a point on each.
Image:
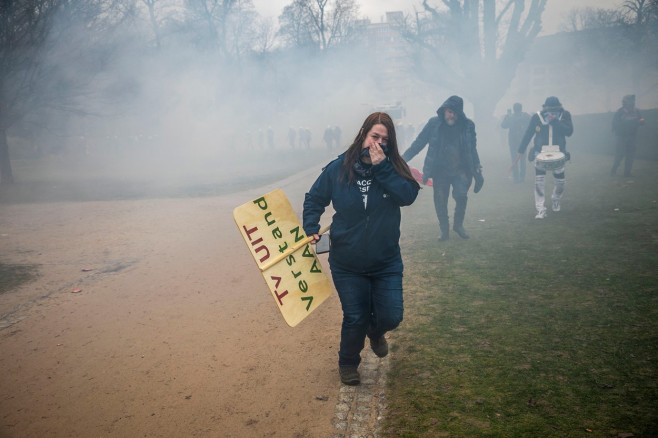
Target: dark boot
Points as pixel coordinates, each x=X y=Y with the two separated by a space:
x=349 y=376
x=460 y=212
x=445 y=230
x=379 y=346
x=459 y=229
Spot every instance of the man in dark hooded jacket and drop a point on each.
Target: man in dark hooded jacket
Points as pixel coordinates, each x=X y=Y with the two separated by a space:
x=452 y=160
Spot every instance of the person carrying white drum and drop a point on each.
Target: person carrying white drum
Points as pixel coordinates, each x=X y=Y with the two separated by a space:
x=550 y=127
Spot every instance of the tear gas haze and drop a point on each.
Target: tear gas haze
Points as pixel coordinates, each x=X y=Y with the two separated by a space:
x=174 y=96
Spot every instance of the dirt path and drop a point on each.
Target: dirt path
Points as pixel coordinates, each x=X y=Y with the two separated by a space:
x=174 y=332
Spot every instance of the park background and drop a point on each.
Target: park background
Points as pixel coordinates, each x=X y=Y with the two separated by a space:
x=128 y=137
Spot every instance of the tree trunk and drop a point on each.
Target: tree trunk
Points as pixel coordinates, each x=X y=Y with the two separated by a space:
x=154 y=24
x=489 y=30
x=6 y=175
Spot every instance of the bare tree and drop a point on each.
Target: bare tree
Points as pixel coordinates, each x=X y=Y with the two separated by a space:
x=23 y=35
x=468 y=45
x=318 y=23
x=265 y=36
x=653 y=14
x=631 y=12
x=151 y=6
x=228 y=26
x=627 y=34
x=636 y=11
x=295 y=25
x=591 y=18
x=242 y=30
x=39 y=68
x=641 y=25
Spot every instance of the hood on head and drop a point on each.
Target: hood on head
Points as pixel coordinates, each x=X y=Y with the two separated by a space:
x=628 y=100
x=456 y=104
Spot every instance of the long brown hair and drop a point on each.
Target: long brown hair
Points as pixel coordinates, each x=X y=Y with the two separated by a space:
x=352 y=154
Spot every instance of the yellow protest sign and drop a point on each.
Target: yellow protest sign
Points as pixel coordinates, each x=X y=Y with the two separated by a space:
x=283 y=254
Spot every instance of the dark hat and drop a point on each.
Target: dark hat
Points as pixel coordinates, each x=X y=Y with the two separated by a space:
x=552 y=102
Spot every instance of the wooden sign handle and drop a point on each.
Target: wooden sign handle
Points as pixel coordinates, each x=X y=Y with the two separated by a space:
x=292 y=249
x=518 y=158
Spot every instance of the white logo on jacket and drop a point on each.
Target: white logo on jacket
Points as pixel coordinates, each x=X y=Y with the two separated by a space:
x=364 y=187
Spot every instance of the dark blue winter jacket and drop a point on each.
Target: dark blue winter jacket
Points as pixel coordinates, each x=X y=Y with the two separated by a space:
x=363 y=240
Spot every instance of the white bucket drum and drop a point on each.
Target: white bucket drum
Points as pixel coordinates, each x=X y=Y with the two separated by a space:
x=550 y=158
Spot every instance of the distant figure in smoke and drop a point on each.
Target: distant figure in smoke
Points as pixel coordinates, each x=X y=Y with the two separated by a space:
x=452 y=160
x=292 y=135
x=328 y=138
x=270 y=137
x=337 y=134
x=624 y=124
x=301 y=134
x=307 y=138
x=552 y=122
x=261 y=139
x=516 y=122
x=367 y=185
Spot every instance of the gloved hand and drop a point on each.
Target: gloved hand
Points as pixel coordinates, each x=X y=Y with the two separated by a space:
x=479 y=180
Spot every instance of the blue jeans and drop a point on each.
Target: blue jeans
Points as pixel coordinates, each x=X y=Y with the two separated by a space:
x=372 y=305
x=625 y=149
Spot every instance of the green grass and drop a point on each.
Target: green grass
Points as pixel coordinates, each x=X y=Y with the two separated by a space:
x=532 y=328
